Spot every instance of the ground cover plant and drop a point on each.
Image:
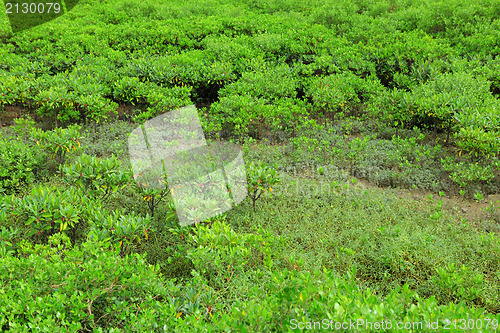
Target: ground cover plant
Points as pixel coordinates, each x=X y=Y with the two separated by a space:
x=371 y=139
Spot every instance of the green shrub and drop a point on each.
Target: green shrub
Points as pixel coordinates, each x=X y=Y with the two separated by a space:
x=261 y=178
x=46 y=211
x=58 y=102
x=245 y=115
x=59 y=142
x=465 y=174
x=126 y=230
x=342 y=93
x=479 y=142
x=83 y=288
x=23 y=127
x=7 y=235
x=237 y=112
x=98 y=177
x=269 y=83
x=289 y=300
x=20 y=164
x=154 y=197
x=226 y=259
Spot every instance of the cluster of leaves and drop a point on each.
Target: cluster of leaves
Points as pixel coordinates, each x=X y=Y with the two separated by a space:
x=46 y=211
x=19 y=164
x=59 y=142
x=263 y=99
x=261 y=178
x=89 y=286
x=85 y=287
x=340 y=93
x=159 y=99
x=98 y=177
x=456 y=102
x=120 y=228
x=465 y=174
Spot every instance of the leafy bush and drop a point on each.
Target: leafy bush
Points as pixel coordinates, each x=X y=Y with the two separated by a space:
x=245 y=115
x=154 y=197
x=158 y=99
x=465 y=174
x=342 y=93
x=6 y=239
x=19 y=166
x=121 y=228
x=226 y=259
x=455 y=102
x=83 y=288
x=59 y=142
x=46 y=211
x=23 y=127
x=261 y=178
x=98 y=177
x=479 y=142
x=269 y=83
x=288 y=300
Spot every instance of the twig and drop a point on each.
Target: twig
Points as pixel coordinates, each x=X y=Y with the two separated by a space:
x=88 y=307
x=104 y=315
x=58 y=285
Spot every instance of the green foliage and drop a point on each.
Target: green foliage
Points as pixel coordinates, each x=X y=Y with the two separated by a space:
x=120 y=228
x=107 y=139
x=258 y=69
x=342 y=93
x=462 y=282
x=479 y=142
x=226 y=258
x=268 y=83
x=465 y=174
x=59 y=142
x=19 y=165
x=494 y=211
x=455 y=102
x=58 y=102
x=98 y=177
x=246 y=115
x=83 y=288
x=6 y=238
x=154 y=197
x=261 y=178
x=289 y=300
x=23 y=127
x=46 y=211
x=158 y=99
x=405 y=241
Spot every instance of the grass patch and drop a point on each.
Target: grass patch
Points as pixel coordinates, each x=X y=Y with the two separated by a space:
x=389 y=240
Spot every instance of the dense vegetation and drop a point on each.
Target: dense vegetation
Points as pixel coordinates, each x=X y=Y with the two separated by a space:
x=324 y=97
